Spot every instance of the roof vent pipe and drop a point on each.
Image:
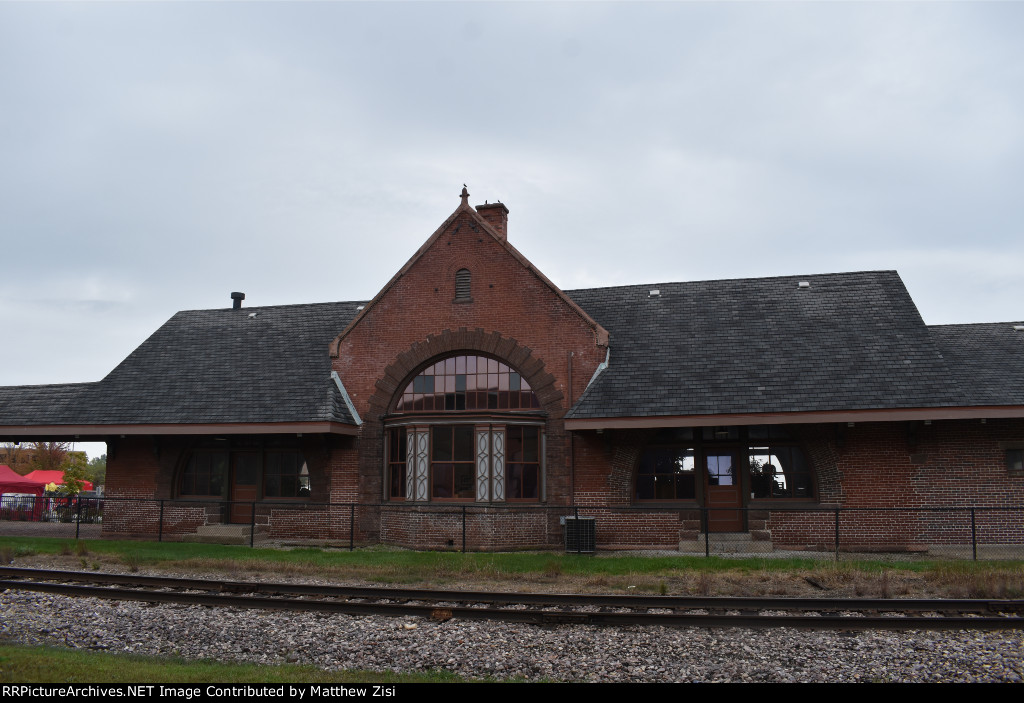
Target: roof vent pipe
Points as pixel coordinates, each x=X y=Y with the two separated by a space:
x=237 y=299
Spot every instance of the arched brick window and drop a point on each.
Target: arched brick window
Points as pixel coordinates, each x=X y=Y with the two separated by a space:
x=466 y=428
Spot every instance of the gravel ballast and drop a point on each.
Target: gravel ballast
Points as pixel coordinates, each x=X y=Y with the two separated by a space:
x=503 y=650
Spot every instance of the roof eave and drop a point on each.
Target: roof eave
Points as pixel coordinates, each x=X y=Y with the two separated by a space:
x=99 y=431
x=792 y=418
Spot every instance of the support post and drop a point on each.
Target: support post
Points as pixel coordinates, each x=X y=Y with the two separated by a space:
x=974 y=536
x=351 y=527
x=160 y=526
x=707 y=532
x=576 y=518
x=252 y=526
x=463 y=529
x=837 y=535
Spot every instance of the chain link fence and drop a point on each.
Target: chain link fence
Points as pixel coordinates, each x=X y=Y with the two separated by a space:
x=956 y=532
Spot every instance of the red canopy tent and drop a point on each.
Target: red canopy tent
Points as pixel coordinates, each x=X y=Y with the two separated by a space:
x=11 y=482
x=43 y=478
x=16 y=507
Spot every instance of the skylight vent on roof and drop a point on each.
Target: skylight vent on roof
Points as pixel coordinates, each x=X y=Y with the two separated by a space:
x=360 y=307
x=1018 y=328
x=252 y=315
x=803 y=284
x=655 y=293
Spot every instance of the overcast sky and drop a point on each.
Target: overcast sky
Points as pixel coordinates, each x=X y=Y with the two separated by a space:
x=155 y=157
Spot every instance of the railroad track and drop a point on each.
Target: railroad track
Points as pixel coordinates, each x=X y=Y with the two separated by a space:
x=537 y=608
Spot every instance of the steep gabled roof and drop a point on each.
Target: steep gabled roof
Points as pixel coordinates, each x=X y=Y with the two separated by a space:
x=850 y=341
x=252 y=365
x=987 y=360
x=477 y=220
x=262 y=364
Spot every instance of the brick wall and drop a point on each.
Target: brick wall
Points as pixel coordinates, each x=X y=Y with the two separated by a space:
x=514 y=316
x=867 y=470
x=486 y=529
x=141 y=471
x=880 y=467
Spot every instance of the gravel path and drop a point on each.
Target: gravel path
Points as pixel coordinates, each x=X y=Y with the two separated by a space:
x=473 y=649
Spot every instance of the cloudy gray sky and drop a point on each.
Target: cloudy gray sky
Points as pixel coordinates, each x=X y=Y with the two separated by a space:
x=154 y=157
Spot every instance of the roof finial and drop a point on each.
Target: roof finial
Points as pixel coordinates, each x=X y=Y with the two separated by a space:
x=465 y=195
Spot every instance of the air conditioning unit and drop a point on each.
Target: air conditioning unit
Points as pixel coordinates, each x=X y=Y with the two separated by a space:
x=580 y=535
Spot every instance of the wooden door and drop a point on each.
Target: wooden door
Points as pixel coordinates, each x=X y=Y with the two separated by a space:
x=245 y=475
x=723 y=493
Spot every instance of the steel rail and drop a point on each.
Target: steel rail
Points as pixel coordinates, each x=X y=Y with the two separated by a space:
x=444 y=605
x=537 y=599
x=442 y=612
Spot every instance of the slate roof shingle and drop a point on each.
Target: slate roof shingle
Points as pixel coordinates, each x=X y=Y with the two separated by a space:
x=987 y=359
x=253 y=365
x=851 y=341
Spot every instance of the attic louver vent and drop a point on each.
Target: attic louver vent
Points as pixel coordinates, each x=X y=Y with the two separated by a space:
x=1019 y=328
x=803 y=284
x=462 y=286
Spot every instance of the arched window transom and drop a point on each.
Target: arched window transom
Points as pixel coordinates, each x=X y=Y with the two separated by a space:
x=467 y=382
x=492 y=451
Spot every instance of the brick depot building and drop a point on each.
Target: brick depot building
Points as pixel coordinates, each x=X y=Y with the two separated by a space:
x=472 y=384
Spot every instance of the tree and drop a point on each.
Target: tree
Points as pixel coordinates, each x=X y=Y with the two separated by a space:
x=74 y=474
x=97 y=470
x=49 y=456
x=15 y=456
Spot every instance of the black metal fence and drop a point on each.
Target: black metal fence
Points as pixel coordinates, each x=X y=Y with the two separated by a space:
x=962 y=532
x=58 y=515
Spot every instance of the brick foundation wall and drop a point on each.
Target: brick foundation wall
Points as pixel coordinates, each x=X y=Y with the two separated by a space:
x=486 y=529
x=313 y=522
x=631 y=529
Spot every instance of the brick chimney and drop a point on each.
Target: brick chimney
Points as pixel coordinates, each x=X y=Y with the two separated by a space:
x=496 y=215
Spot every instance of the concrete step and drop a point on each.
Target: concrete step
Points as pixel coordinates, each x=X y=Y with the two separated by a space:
x=727 y=543
x=219 y=534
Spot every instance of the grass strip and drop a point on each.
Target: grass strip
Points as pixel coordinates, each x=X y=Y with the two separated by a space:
x=38 y=664
x=153 y=553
